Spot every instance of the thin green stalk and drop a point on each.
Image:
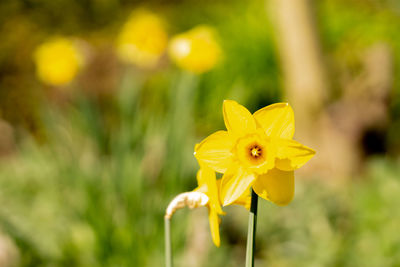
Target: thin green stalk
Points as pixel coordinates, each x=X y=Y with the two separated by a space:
x=168 y=249
x=251 y=233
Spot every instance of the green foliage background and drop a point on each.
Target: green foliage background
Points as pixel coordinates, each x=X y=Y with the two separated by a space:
x=90 y=179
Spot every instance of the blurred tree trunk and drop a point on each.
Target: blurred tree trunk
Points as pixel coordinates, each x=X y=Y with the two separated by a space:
x=335 y=131
x=305 y=81
x=303 y=68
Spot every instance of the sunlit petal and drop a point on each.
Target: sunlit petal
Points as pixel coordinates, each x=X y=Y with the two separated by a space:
x=244 y=200
x=215 y=151
x=234 y=184
x=276 y=186
x=292 y=155
x=238 y=120
x=277 y=120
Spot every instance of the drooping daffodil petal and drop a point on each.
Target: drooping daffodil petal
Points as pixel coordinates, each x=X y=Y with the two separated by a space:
x=207 y=184
x=210 y=186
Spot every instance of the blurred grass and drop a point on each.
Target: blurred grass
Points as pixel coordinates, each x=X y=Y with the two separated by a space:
x=72 y=207
x=91 y=190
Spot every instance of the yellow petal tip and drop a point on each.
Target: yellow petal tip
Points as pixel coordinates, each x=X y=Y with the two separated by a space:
x=227 y=202
x=226 y=101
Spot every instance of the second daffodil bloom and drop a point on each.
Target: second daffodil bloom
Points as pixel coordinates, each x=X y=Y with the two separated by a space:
x=208 y=185
x=196 y=50
x=256 y=150
x=57 y=61
x=142 y=40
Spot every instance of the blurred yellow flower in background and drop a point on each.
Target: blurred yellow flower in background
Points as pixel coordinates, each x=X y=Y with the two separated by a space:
x=142 y=40
x=256 y=150
x=57 y=61
x=195 y=50
x=209 y=185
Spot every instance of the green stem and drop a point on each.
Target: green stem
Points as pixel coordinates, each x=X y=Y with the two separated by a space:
x=251 y=233
x=168 y=249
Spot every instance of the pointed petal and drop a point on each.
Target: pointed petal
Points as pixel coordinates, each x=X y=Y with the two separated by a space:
x=238 y=119
x=276 y=186
x=215 y=151
x=208 y=185
x=244 y=200
x=234 y=183
x=277 y=120
x=292 y=155
x=214 y=226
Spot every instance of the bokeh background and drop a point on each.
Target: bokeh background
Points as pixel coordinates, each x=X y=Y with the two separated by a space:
x=89 y=161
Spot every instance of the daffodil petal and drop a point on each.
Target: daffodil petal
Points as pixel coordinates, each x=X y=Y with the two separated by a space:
x=244 y=200
x=238 y=119
x=292 y=155
x=277 y=120
x=206 y=178
x=276 y=186
x=214 y=226
x=234 y=183
x=215 y=151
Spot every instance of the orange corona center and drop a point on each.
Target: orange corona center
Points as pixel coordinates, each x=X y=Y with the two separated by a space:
x=255 y=151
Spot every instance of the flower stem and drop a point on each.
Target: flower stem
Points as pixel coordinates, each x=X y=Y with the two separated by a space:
x=251 y=233
x=168 y=249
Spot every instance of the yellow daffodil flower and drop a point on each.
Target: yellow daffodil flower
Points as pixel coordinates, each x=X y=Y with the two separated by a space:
x=142 y=40
x=196 y=50
x=256 y=150
x=57 y=61
x=209 y=185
